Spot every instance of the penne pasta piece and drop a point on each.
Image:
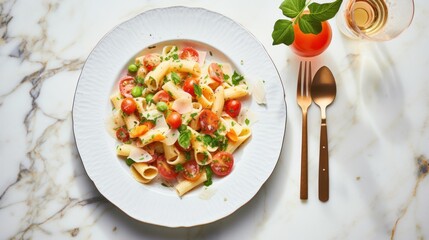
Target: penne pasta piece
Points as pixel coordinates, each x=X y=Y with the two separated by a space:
x=130 y=121
x=168 y=50
x=179 y=158
x=124 y=150
x=141 y=105
x=243 y=136
x=170 y=152
x=186 y=186
x=219 y=101
x=142 y=72
x=155 y=78
x=207 y=96
x=201 y=153
x=143 y=172
x=137 y=154
x=230 y=123
x=116 y=100
x=186 y=66
x=117 y=119
x=236 y=92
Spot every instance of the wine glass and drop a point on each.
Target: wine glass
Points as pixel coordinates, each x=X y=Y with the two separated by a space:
x=377 y=20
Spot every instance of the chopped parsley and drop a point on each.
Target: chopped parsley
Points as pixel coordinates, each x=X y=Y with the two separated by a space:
x=179 y=168
x=217 y=141
x=225 y=76
x=236 y=78
x=129 y=161
x=247 y=121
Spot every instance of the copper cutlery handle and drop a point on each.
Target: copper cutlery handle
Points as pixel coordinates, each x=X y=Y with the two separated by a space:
x=304 y=159
x=323 y=163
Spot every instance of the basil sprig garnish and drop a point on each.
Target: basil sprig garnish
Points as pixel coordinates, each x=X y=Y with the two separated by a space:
x=308 y=23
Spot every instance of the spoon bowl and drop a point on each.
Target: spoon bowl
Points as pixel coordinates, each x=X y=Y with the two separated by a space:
x=323 y=88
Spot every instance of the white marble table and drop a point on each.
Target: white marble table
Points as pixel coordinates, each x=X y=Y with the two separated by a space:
x=378 y=132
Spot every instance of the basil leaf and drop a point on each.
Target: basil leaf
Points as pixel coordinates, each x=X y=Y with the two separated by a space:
x=283 y=32
x=175 y=77
x=326 y=11
x=291 y=8
x=308 y=25
x=185 y=139
x=197 y=90
x=236 y=78
x=209 y=174
x=207 y=140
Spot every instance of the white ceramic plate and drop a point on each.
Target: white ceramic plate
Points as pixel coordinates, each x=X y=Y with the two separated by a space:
x=255 y=160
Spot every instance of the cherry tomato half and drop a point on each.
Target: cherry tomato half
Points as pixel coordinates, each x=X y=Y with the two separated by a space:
x=126 y=84
x=128 y=105
x=233 y=107
x=215 y=72
x=310 y=45
x=174 y=120
x=151 y=61
x=162 y=96
x=222 y=163
x=191 y=170
x=189 y=53
x=165 y=169
x=209 y=121
x=188 y=86
x=122 y=134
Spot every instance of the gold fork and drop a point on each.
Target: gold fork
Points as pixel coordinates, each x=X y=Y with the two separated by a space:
x=303 y=97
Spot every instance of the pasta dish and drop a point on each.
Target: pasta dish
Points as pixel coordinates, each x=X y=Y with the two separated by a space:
x=179 y=118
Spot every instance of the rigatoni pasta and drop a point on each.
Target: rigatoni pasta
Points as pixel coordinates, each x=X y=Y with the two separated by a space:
x=176 y=118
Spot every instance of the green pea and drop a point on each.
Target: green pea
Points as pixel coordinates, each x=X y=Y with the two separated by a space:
x=149 y=97
x=132 y=68
x=136 y=91
x=161 y=106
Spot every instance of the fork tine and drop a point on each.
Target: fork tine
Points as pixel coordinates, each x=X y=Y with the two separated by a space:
x=304 y=91
x=299 y=88
x=308 y=80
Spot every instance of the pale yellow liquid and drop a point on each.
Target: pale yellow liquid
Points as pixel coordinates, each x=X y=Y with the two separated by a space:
x=369 y=16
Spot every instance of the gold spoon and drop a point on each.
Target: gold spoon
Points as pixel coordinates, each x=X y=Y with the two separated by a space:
x=323 y=91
